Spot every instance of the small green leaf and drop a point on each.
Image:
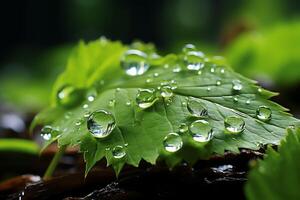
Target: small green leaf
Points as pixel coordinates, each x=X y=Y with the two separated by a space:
x=277 y=176
x=143 y=109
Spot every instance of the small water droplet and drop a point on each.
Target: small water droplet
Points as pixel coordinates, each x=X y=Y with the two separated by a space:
x=208 y=89
x=118 y=89
x=134 y=62
x=199 y=72
x=166 y=91
x=111 y=103
x=69 y=96
x=237 y=85
x=183 y=103
x=172 y=142
x=46 y=132
x=248 y=101
x=218 y=83
x=264 y=113
x=118 y=152
x=156 y=74
x=68 y=115
x=201 y=131
x=177 y=69
x=194 y=60
x=85 y=106
x=212 y=70
x=91 y=98
x=188 y=47
x=149 y=80
x=86 y=114
x=183 y=128
x=78 y=123
x=196 y=108
x=128 y=103
x=101 y=123
x=234 y=124
x=107 y=149
x=235 y=99
x=222 y=71
x=145 y=98
x=259 y=90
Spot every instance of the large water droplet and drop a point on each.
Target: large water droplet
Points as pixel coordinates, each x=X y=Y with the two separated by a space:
x=166 y=91
x=101 y=123
x=196 y=108
x=118 y=152
x=237 y=85
x=69 y=96
x=46 y=132
x=145 y=98
x=194 y=60
x=234 y=124
x=134 y=62
x=172 y=142
x=188 y=47
x=201 y=131
x=264 y=113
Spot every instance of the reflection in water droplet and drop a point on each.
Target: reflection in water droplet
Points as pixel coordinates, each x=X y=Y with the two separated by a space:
x=69 y=96
x=196 y=108
x=101 y=123
x=86 y=114
x=194 y=60
x=134 y=62
x=218 y=83
x=183 y=128
x=201 y=131
x=91 y=98
x=237 y=85
x=47 y=132
x=118 y=152
x=145 y=98
x=212 y=70
x=234 y=124
x=264 y=113
x=172 y=142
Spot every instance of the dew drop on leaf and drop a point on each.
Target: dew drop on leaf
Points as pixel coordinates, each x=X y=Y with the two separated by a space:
x=101 y=123
x=201 y=131
x=69 y=96
x=183 y=128
x=194 y=60
x=177 y=69
x=234 y=124
x=85 y=106
x=188 y=47
x=237 y=85
x=46 y=132
x=166 y=91
x=172 y=142
x=134 y=62
x=218 y=83
x=196 y=108
x=145 y=98
x=111 y=103
x=264 y=113
x=118 y=152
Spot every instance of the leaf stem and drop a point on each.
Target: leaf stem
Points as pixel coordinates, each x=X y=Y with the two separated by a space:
x=54 y=162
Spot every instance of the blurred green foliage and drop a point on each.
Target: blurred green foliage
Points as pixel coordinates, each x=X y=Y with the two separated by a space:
x=272 y=54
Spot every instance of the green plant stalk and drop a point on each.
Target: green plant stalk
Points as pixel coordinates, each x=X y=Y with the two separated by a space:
x=54 y=162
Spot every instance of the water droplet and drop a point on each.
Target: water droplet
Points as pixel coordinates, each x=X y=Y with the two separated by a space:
x=91 y=98
x=201 y=131
x=101 y=123
x=172 y=142
x=196 y=108
x=259 y=90
x=149 y=80
x=218 y=83
x=69 y=96
x=264 y=113
x=188 y=47
x=237 y=85
x=212 y=70
x=126 y=144
x=177 y=69
x=166 y=91
x=235 y=99
x=85 y=106
x=78 y=123
x=111 y=103
x=208 y=89
x=86 y=114
x=145 y=98
x=47 y=132
x=118 y=89
x=234 y=124
x=199 y=72
x=248 y=101
x=68 y=115
x=183 y=128
x=134 y=62
x=156 y=74
x=222 y=71
x=128 y=103
x=118 y=152
x=194 y=60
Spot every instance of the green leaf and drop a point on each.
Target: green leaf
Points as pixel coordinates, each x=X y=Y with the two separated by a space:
x=269 y=54
x=141 y=132
x=277 y=176
x=19 y=145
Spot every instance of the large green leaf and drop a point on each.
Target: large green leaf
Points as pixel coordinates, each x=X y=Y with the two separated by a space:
x=141 y=132
x=277 y=177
